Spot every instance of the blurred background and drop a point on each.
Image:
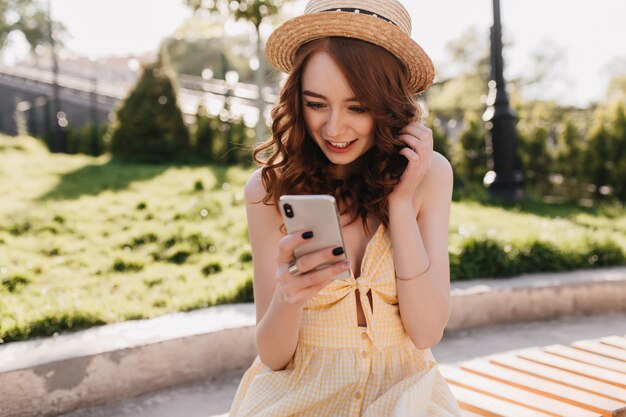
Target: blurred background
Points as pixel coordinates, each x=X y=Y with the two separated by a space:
x=128 y=128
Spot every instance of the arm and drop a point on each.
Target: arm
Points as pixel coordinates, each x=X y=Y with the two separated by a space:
x=424 y=302
x=279 y=296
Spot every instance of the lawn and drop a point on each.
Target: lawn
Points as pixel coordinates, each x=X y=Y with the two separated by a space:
x=86 y=241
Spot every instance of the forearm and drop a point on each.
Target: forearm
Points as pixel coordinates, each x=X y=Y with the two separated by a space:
x=423 y=301
x=277 y=332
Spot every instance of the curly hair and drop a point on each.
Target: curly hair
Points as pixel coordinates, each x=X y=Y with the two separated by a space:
x=292 y=162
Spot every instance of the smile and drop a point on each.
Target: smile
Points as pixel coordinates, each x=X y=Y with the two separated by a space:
x=340 y=145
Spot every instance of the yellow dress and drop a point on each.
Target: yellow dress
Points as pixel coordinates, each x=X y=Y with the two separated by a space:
x=342 y=369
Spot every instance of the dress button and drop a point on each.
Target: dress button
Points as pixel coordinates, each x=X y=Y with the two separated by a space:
x=357 y=395
x=364 y=354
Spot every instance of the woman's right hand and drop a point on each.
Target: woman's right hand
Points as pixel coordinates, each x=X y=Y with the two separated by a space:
x=298 y=288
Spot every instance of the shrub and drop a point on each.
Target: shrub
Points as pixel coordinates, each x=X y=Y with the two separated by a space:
x=49 y=324
x=88 y=139
x=470 y=157
x=149 y=125
x=479 y=259
x=483 y=258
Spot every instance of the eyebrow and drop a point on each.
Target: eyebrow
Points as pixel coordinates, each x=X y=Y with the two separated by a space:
x=317 y=95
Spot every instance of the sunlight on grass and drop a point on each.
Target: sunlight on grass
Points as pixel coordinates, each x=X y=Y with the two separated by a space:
x=86 y=241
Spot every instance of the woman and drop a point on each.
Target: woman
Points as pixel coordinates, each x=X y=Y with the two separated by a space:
x=346 y=125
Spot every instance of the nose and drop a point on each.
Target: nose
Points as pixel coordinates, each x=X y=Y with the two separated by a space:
x=335 y=125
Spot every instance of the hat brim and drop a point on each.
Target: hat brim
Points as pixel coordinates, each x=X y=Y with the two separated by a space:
x=283 y=43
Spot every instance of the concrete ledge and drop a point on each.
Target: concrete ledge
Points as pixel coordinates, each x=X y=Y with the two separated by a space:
x=537 y=297
x=47 y=377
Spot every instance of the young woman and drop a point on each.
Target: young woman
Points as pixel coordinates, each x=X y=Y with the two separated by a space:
x=346 y=124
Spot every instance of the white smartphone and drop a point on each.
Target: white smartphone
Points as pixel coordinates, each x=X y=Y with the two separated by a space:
x=319 y=214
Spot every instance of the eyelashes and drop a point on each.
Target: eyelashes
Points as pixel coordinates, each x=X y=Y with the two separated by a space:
x=320 y=106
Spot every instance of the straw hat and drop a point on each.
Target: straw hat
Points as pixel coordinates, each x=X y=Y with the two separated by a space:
x=385 y=23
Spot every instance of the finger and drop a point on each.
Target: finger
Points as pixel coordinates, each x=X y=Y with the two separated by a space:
x=313 y=282
x=289 y=243
x=414 y=143
x=311 y=261
x=410 y=154
x=313 y=278
x=419 y=131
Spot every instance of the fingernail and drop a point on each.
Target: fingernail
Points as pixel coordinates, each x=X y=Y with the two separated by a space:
x=338 y=251
x=307 y=235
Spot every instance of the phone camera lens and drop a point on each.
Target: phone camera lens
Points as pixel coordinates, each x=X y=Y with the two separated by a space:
x=288 y=210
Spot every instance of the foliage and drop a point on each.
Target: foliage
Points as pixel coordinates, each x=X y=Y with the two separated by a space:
x=205 y=132
x=189 y=55
x=218 y=139
x=470 y=154
x=440 y=140
x=536 y=159
x=88 y=139
x=253 y=11
x=489 y=258
x=149 y=124
x=25 y=16
x=604 y=163
x=86 y=241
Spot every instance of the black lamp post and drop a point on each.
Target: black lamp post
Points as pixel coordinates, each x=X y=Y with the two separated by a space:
x=504 y=181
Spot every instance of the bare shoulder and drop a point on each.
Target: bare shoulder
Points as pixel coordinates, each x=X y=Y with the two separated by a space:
x=440 y=168
x=435 y=189
x=260 y=215
x=254 y=191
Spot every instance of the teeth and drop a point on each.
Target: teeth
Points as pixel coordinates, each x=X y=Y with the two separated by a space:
x=340 y=144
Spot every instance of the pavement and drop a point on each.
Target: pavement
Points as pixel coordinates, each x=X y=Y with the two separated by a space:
x=212 y=397
x=132 y=366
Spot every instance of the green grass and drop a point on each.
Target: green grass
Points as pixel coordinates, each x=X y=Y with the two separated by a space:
x=87 y=241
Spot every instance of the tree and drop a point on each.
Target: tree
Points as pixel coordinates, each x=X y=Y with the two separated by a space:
x=255 y=12
x=27 y=17
x=149 y=125
x=569 y=158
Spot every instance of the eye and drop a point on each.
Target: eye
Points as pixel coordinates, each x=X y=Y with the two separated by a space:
x=358 y=109
x=314 y=105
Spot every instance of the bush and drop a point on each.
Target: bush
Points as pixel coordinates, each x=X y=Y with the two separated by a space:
x=470 y=157
x=49 y=324
x=149 y=125
x=88 y=140
x=206 y=132
x=604 y=164
x=484 y=258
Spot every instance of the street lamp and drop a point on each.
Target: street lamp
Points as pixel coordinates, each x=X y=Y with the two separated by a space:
x=504 y=181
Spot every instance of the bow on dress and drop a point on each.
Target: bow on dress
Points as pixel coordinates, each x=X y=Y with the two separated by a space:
x=377 y=275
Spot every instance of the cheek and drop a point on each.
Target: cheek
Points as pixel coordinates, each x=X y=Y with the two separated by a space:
x=310 y=121
x=367 y=128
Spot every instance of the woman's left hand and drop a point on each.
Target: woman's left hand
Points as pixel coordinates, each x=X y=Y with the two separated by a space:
x=419 y=151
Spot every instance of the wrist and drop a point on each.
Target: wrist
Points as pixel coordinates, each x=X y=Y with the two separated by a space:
x=399 y=206
x=283 y=302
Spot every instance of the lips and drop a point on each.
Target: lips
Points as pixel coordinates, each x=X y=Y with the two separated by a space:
x=340 y=147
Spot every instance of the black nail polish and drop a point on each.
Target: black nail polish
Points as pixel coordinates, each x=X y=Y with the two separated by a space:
x=338 y=251
x=307 y=235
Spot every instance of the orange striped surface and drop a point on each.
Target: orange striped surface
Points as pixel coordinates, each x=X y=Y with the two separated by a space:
x=587 y=378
